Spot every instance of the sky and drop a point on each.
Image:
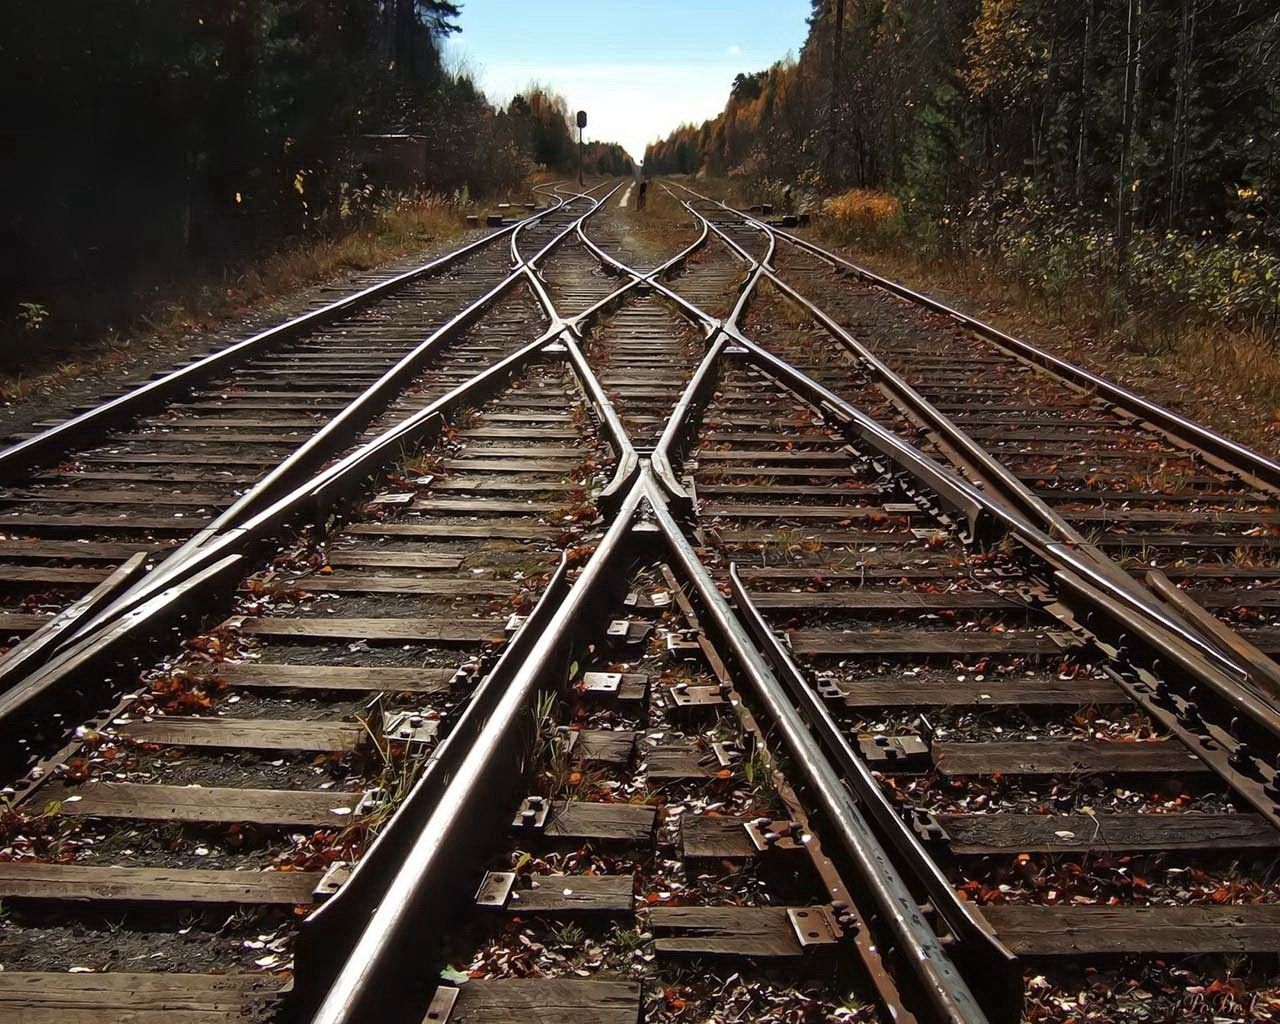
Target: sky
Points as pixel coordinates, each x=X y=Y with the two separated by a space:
x=638 y=67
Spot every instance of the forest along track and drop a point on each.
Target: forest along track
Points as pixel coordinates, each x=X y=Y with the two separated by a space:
x=173 y=848
x=148 y=485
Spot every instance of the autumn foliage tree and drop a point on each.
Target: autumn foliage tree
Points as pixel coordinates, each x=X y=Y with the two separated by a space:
x=1147 y=113
x=1088 y=143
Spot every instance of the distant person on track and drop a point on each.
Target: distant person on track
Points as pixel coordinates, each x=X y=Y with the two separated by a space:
x=786 y=199
x=643 y=196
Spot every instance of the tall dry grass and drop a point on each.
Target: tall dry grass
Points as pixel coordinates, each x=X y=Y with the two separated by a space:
x=863 y=211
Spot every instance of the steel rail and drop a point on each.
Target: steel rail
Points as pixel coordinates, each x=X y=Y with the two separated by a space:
x=641 y=281
x=717 y=339
x=39 y=648
x=628 y=460
x=1106 y=590
x=651 y=279
x=980 y=524
x=1255 y=467
x=320 y=493
x=101 y=660
x=407 y=905
x=642 y=275
x=415 y=908
x=922 y=946
x=419 y=904
x=567 y=332
x=691 y=400
x=1216 y=641
x=985 y=520
x=968 y=453
x=972 y=930
x=941 y=984
x=722 y=333
x=30 y=653
x=221 y=563
x=1261 y=665
x=57 y=440
x=571 y=333
x=358 y=413
x=1210 y=742
x=1225 y=649
x=329 y=934
x=911 y=401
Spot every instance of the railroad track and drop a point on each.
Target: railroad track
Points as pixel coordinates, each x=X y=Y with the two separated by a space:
x=153 y=468
x=1069 y=795
x=659 y=649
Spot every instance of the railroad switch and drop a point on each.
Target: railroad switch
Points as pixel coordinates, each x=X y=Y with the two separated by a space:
x=901 y=753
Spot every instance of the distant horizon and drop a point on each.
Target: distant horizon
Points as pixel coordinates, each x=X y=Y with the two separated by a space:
x=640 y=68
